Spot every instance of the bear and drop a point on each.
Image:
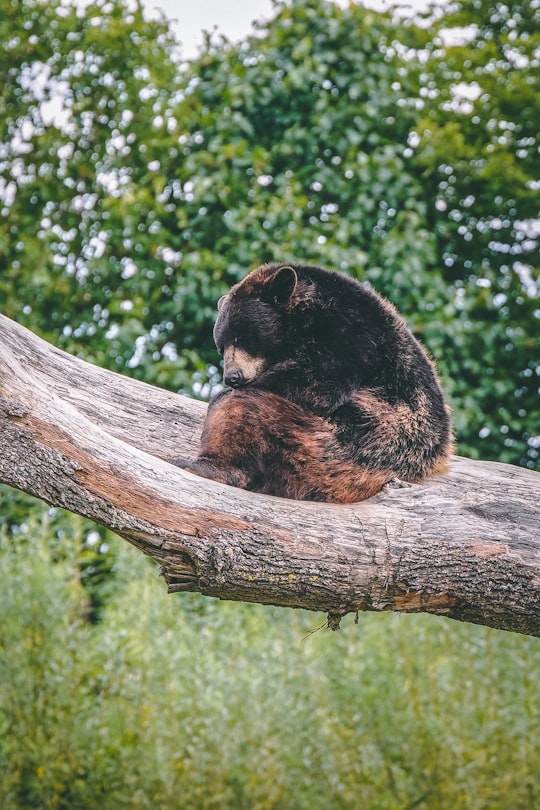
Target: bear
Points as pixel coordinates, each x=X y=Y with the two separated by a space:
x=329 y=395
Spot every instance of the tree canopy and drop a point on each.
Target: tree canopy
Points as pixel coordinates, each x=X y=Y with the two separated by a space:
x=138 y=188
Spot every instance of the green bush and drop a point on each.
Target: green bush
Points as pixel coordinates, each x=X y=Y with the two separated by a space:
x=182 y=702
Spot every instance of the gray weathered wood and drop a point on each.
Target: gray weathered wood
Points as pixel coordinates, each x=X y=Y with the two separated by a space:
x=464 y=545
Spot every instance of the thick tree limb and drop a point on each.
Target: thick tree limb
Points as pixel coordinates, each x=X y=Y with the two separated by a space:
x=465 y=545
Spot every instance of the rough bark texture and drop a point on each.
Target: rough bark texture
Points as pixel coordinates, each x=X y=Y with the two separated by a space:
x=464 y=545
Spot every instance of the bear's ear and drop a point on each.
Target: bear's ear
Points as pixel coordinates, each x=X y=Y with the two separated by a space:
x=221 y=301
x=281 y=285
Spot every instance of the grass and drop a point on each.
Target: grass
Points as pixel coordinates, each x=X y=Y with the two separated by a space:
x=185 y=702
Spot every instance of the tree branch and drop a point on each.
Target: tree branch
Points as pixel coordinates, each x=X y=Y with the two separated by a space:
x=464 y=545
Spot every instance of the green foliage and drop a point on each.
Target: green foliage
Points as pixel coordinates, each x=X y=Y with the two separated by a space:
x=477 y=146
x=337 y=136
x=185 y=702
x=20 y=518
x=83 y=110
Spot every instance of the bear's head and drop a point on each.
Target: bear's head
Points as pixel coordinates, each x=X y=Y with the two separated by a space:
x=252 y=330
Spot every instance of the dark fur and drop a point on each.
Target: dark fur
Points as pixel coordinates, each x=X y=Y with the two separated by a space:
x=335 y=396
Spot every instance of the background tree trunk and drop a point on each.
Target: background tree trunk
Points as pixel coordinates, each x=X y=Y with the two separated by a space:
x=465 y=544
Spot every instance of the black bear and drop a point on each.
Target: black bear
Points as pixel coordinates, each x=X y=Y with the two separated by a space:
x=331 y=397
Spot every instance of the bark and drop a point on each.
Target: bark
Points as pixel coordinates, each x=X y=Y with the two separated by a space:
x=464 y=545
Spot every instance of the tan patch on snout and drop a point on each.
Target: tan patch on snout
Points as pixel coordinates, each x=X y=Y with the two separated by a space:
x=235 y=359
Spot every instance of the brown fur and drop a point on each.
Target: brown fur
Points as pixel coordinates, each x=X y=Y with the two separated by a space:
x=299 y=448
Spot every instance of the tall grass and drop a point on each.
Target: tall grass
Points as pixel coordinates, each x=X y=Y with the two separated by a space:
x=182 y=702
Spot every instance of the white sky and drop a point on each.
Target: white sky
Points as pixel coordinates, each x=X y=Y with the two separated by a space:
x=233 y=18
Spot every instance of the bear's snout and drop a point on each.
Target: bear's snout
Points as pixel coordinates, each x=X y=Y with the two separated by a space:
x=240 y=368
x=234 y=378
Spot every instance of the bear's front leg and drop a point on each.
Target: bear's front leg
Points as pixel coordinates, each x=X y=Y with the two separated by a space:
x=226 y=453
